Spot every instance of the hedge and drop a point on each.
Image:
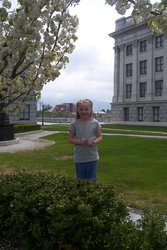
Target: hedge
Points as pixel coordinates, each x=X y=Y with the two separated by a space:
x=20 y=128
x=46 y=211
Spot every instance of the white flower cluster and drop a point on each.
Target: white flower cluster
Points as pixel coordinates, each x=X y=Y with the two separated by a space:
x=35 y=42
x=144 y=9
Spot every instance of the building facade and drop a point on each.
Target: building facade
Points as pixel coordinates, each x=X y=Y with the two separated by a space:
x=26 y=113
x=66 y=107
x=140 y=73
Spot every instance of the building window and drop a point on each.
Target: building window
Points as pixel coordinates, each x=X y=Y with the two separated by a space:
x=158 y=87
x=143 y=89
x=159 y=41
x=25 y=113
x=143 y=67
x=126 y=114
x=159 y=64
x=128 y=69
x=140 y=114
x=143 y=46
x=156 y=114
x=129 y=50
x=128 y=90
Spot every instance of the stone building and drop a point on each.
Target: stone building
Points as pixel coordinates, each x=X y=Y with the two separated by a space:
x=66 y=107
x=26 y=113
x=140 y=77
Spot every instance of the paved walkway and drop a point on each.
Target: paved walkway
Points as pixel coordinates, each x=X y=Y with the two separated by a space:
x=27 y=141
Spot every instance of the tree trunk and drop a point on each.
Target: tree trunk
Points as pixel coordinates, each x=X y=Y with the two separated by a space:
x=6 y=129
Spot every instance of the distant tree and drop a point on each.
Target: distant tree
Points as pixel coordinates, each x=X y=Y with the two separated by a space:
x=142 y=9
x=35 y=41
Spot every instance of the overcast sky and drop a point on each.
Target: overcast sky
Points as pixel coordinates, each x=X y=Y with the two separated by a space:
x=89 y=73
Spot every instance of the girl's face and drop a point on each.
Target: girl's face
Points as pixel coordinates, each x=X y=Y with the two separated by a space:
x=84 y=111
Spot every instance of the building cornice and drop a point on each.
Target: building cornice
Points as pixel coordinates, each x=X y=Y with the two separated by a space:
x=128 y=28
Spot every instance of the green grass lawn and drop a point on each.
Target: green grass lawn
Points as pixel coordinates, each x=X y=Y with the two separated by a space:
x=136 y=166
x=119 y=129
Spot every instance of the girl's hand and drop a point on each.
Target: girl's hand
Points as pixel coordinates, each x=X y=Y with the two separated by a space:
x=92 y=143
x=83 y=140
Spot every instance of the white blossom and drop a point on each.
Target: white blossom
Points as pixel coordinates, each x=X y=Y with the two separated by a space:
x=144 y=9
x=35 y=42
x=6 y=4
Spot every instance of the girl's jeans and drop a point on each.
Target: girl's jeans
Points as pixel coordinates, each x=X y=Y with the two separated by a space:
x=86 y=170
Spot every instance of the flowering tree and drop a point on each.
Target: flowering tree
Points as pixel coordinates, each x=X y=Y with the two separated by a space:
x=35 y=41
x=142 y=9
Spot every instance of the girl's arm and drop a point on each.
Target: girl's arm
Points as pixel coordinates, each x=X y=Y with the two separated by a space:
x=97 y=140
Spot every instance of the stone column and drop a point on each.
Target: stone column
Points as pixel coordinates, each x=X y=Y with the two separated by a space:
x=135 y=72
x=150 y=69
x=116 y=74
x=121 y=75
x=164 y=71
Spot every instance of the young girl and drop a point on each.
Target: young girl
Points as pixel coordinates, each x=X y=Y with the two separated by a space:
x=85 y=134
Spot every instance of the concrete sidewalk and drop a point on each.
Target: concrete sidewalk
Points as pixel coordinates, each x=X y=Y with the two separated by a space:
x=27 y=141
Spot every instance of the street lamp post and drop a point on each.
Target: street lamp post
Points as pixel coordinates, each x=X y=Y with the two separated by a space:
x=43 y=106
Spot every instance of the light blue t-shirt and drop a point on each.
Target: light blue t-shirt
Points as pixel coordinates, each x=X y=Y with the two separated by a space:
x=87 y=129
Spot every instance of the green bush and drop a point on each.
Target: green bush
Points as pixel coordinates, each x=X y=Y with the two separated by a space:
x=20 y=128
x=46 y=211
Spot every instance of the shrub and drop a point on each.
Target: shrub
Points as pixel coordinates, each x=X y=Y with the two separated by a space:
x=20 y=128
x=46 y=211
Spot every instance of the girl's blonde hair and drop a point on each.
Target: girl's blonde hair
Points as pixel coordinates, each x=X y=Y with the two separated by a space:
x=84 y=101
